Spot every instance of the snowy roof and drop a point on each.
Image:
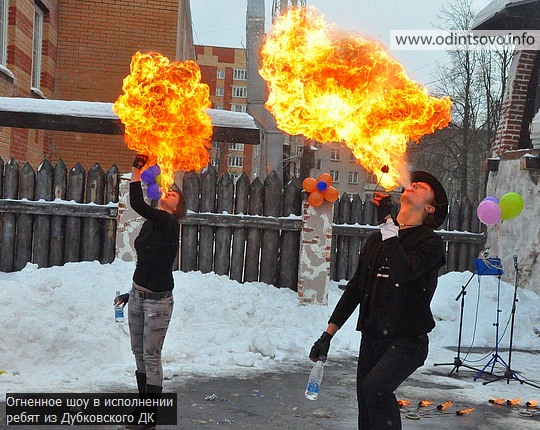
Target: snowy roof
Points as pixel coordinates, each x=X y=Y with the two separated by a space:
x=84 y=109
x=495 y=8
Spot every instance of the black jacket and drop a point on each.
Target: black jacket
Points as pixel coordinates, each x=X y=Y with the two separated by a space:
x=156 y=244
x=394 y=283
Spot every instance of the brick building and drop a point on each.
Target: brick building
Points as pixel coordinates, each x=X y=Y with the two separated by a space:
x=76 y=50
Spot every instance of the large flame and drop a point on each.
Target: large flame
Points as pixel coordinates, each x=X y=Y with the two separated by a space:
x=163 y=109
x=333 y=86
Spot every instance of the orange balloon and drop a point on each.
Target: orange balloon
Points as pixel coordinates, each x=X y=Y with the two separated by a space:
x=315 y=198
x=326 y=177
x=309 y=184
x=331 y=194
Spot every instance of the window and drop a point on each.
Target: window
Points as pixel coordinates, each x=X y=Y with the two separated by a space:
x=235 y=162
x=215 y=162
x=220 y=91
x=352 y=158
x=238 y=108
x=298 y=150
x=240 y=92
x=219 y=107
x=3 y=31
x=236 y=146
x=37 y=42
x=220 y=74
x=335 y=175
x=239 y=74
x=318 y=164
x=336 y=155
x=353 y=177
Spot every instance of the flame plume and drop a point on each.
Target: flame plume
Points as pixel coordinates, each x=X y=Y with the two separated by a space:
x=163 y=109
x=464 y=411
x=333 y=86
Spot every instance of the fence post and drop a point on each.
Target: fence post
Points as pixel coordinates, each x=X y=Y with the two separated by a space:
x=239 y=234
x=77 y=177
x=112 y=191
x=290 y=240
x=315 y=249
x=191 y=187
x=270 y=238
x=58 y=232
x=11 y=183
x=208 y=204
x=42 y=223
x=95 y=187
x=25 y=222
x=225 y=203
x=253 y=247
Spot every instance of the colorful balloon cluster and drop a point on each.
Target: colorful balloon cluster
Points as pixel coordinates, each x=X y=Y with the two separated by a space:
x=320 y=189
x=491 y=210
x=152 y=178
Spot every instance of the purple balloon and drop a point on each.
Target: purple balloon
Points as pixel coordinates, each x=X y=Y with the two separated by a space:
x=322 y=186
x=152 y=191
x=150 y=174
x=491 y=199
x=489 y=212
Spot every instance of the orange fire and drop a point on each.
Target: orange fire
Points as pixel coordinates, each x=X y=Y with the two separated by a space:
x=444 y=406
x=424 y=403
x=464 y=411
x=333 y=86
x=531 y=403
x=512 y=402
x=163 y=109
x=404 y=403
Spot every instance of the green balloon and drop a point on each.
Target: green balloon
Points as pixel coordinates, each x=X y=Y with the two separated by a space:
x=511 y=205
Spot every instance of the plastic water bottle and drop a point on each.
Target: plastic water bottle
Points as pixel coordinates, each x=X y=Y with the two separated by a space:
x=314 y=381
x=118 y=310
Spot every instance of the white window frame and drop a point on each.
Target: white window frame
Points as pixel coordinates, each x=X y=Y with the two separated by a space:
x=236 y=146
x=220 y=91
x=37 y=46
x=335 y=155
x=220 y=74
x=239 y=92
x=235 y=107
x=4 y=9
x=353 y=177
x=239 y=74
x=219 y=107
x=235 y=161
x=335 y=176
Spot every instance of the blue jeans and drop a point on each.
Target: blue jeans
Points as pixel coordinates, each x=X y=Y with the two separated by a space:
x=383 y=365
x=148 y=323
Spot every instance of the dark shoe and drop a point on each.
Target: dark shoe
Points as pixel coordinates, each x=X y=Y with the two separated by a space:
x=152 y=392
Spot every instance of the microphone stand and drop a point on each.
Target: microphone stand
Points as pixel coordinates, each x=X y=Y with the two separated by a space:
x=509 y=373
x=458 y=362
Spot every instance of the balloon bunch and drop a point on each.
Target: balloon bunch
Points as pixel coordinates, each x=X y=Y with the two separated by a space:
x=491 y=210
x=152 y=178
x=320 y=189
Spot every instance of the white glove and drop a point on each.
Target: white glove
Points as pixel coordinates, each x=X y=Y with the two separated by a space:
x=389 y=229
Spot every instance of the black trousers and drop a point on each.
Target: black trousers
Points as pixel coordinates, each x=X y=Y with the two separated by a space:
x=383 y=365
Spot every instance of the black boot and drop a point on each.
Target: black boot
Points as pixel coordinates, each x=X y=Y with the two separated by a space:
x=153 y=392
x=141 y=387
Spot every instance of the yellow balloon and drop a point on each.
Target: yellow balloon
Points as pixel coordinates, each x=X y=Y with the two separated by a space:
x=158 y=180
x=511 y=205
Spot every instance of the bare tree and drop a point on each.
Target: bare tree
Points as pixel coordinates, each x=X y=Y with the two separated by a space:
x=475 y=80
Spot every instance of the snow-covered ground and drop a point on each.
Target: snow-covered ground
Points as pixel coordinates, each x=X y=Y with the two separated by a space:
x=58 y=332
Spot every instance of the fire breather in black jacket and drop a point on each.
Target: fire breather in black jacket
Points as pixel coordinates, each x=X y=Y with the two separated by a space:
x=394 y=283
x=156 y=244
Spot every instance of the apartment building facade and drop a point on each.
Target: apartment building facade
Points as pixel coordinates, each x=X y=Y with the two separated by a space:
x=224 y=71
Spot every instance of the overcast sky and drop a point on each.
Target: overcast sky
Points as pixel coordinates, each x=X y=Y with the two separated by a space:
x=222 y=23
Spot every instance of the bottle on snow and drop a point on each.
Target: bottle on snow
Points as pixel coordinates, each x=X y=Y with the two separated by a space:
x=314 y=381
x=118 y=310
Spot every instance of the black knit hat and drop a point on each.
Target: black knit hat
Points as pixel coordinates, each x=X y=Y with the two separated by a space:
x=441 y=199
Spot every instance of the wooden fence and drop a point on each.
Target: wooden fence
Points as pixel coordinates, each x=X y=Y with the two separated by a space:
x=44 y=218
x=248 y=231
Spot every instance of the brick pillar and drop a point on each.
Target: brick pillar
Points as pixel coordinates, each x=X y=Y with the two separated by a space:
x=508 y=132
x=315 y=247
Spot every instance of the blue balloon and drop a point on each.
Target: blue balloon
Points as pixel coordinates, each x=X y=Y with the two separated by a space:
x=152 y=191
x=150 y=174
x=322 y=186
x=492 y=199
